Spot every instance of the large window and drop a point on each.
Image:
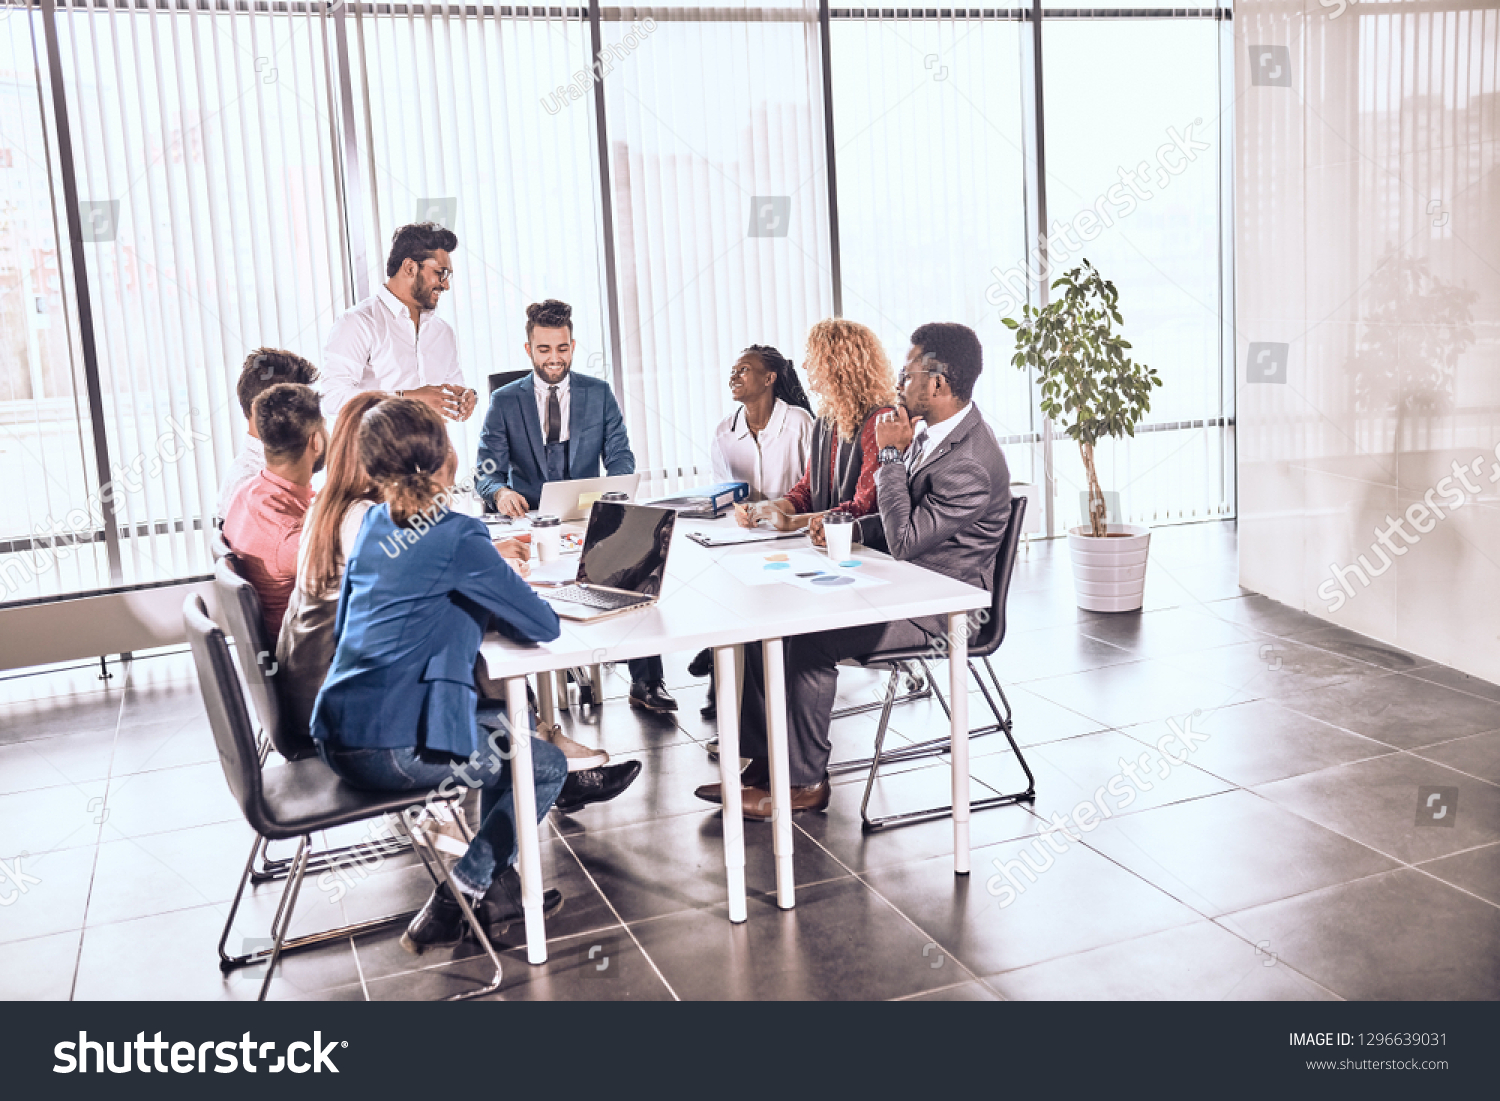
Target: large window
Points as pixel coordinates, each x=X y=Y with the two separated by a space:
x=239 y=169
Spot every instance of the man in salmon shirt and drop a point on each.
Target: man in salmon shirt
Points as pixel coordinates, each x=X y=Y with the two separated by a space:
x=263 y=523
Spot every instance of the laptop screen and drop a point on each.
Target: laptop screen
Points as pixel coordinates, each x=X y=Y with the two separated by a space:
x=626 y=547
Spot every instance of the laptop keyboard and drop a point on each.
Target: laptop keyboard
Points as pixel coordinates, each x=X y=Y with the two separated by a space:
x=593 y=598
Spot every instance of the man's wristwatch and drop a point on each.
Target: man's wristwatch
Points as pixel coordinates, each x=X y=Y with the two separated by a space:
x=889 y=454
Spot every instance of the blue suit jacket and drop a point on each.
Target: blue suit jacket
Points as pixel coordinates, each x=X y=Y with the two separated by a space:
x=511 y=445
x=412 y=610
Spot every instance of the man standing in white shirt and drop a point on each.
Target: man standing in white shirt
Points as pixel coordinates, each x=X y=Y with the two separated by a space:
x=394 y=340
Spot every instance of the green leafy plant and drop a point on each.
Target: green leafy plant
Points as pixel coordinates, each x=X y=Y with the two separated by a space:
x=1090 y=387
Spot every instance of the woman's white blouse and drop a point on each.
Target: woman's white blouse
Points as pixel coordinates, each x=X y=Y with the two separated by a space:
x=771 y=463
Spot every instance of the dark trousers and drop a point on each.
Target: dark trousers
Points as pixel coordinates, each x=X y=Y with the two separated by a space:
x=645 y=670
x=812 y=679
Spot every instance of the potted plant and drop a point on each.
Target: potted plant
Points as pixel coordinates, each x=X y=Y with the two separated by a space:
x=1091 y=389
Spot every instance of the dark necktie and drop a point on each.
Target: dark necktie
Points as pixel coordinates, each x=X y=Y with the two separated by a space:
x=554 y=416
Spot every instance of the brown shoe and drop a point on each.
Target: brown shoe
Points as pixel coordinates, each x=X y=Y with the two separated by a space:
x=755 y=803
x=755 y=774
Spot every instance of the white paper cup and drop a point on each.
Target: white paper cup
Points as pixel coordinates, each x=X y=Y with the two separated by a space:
x=546 y=535
x=838 y=530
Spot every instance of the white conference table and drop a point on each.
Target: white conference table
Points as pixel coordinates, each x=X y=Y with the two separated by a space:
x=705 y=604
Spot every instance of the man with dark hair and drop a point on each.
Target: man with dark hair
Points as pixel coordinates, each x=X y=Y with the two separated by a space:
x=944 y=496
x=552 y=426
x=263 y=523
x=393 y=340
x=263 y=369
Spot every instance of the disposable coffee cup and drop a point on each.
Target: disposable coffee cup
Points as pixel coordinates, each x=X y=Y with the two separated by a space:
x=546 y=535
x=838 y=531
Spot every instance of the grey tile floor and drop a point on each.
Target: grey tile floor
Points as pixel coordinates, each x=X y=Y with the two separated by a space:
x=1285 y=857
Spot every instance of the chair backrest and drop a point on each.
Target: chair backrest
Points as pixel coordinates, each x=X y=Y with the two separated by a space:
x=219 y=546
x=240 y=606
x=234 y=734
x=505 y=378
x=988 y=638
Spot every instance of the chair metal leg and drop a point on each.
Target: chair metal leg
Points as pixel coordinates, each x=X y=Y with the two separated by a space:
x=885 y=722
x=226 y=961
x=918 y=694
x=1003 y=723
x=284 y=911
x=327 y=859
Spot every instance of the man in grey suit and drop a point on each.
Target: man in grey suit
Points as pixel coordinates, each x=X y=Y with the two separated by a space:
x=944 y=494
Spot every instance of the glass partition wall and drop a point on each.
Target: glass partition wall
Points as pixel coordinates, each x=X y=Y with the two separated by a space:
x=183 y=183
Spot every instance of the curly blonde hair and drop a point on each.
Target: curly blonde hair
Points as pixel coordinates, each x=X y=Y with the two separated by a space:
x=848 y=369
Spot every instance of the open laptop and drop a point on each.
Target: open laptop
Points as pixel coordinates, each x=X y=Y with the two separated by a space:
x=570 y=500
x=623 y=562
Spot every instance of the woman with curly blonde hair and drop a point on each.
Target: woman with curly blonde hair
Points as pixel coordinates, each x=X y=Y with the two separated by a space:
x=848 y=371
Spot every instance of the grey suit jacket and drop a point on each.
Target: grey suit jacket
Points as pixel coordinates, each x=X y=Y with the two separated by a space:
x=949 y=514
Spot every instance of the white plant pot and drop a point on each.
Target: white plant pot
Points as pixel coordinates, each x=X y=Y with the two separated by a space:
x=1109 y=574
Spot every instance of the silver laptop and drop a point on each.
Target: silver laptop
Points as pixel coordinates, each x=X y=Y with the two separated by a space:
x=570 y=500
x=623 y=562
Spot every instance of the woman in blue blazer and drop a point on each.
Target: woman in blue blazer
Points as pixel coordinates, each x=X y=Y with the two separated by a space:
x=398 y=710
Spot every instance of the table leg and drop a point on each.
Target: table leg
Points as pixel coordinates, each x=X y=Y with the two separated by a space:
x=528 y=836
x=596 y=675
x=544 y=699
x=727 y=677
x=562 y=689
x=958 y=697
x=781 y=786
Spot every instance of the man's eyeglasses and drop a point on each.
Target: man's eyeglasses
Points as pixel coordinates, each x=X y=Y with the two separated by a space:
x=444 y=275
x=932 y=370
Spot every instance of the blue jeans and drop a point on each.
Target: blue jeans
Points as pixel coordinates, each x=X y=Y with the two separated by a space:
x=488 y=769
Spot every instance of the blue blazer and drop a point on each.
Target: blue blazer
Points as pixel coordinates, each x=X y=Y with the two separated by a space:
x=413 y=608
x=511 y=445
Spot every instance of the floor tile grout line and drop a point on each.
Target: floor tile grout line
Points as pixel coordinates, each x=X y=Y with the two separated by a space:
x=359 y=968
x=862 y=881
x=595 y=884
x=88 y=898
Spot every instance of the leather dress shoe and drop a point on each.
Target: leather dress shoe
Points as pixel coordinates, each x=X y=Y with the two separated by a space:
x=755 y=774
x=755 y=802
x=702 y=664
x=439 y=924
x=596 y=785
x=651 y=697
x=501 y=906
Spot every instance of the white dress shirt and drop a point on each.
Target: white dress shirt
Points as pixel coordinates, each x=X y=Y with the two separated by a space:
x=250 y=461
x=771 y=463
x=375 y=346
x=543 y=391
x=936 y=434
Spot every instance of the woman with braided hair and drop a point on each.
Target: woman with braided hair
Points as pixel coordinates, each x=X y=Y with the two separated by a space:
x=764 y=443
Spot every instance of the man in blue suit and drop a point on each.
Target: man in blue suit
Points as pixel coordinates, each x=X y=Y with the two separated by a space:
x=551 y=427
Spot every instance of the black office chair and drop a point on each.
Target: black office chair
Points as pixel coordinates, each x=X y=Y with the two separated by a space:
x=505 y=378
x=982 y=644
x=239 y=607
x=294 y=800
